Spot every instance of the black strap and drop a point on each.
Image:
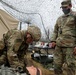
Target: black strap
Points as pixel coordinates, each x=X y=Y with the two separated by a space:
x=75 y=24
x=38 y=72
x=75 y=29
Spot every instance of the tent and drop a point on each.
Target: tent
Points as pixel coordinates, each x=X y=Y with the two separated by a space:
x=7 y=22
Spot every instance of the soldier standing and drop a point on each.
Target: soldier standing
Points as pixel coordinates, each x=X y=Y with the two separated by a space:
x=13 y=47
x=64 y=41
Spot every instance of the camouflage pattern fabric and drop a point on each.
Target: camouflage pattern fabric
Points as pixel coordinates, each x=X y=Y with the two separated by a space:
x=65 y=38
x=64 y=61
x=65 y=3
x=13 y=47
x=16 y=50
x=65 y=31
x=2 y=52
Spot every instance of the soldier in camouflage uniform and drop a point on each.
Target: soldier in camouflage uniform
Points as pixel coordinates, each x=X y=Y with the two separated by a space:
x=14 y=45
x=64 y=41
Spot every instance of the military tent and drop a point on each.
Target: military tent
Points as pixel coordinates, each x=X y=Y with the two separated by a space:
x=7 y=22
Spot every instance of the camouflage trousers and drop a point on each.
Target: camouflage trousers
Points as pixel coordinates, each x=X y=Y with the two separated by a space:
x=64 y=61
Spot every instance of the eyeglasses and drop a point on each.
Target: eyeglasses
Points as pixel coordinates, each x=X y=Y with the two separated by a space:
x=64 y=7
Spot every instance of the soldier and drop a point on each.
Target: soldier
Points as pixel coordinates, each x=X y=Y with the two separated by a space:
x=64 y=41
x=14 y=45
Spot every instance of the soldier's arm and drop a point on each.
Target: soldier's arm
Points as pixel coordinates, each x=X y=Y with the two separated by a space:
x=55 y=35
x=15 y=62
x=2 y=52
x=2 y=45
x=13 y=47
x=74 y=52
x=55 y=32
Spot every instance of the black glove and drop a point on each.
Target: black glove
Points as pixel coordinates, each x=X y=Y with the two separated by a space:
x=19 y=69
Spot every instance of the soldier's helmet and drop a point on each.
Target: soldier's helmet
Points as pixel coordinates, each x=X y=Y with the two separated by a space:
x=65 y=3
x=35 y=32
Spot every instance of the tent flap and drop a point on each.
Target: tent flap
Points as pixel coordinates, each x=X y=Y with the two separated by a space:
x=7 y=22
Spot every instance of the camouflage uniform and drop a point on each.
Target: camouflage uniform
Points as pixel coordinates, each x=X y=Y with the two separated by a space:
x=65 y=38
x=2 y=52
x=14 y=47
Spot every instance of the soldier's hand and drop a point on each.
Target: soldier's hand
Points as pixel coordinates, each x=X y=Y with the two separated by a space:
x=74 y=52
x=53 y=44
x=19 y=69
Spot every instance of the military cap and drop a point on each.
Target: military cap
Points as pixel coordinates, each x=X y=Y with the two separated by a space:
x=65 y=3
x=35 y=32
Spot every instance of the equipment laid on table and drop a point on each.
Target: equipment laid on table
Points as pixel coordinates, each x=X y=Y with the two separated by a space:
x=41 y=57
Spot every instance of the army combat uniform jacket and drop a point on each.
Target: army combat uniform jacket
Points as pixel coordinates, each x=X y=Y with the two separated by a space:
x=65 y=31
x=65 y=38
x=13 y=49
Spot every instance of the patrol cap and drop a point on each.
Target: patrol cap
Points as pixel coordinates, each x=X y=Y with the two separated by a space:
x=65 y=3
x=35 y=32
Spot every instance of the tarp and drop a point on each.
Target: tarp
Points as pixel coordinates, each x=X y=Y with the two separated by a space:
x=7 y=22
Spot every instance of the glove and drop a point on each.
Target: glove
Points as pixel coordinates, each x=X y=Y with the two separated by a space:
x=19 y=69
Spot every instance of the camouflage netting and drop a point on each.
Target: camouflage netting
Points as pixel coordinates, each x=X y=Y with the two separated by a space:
x=39 y=12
